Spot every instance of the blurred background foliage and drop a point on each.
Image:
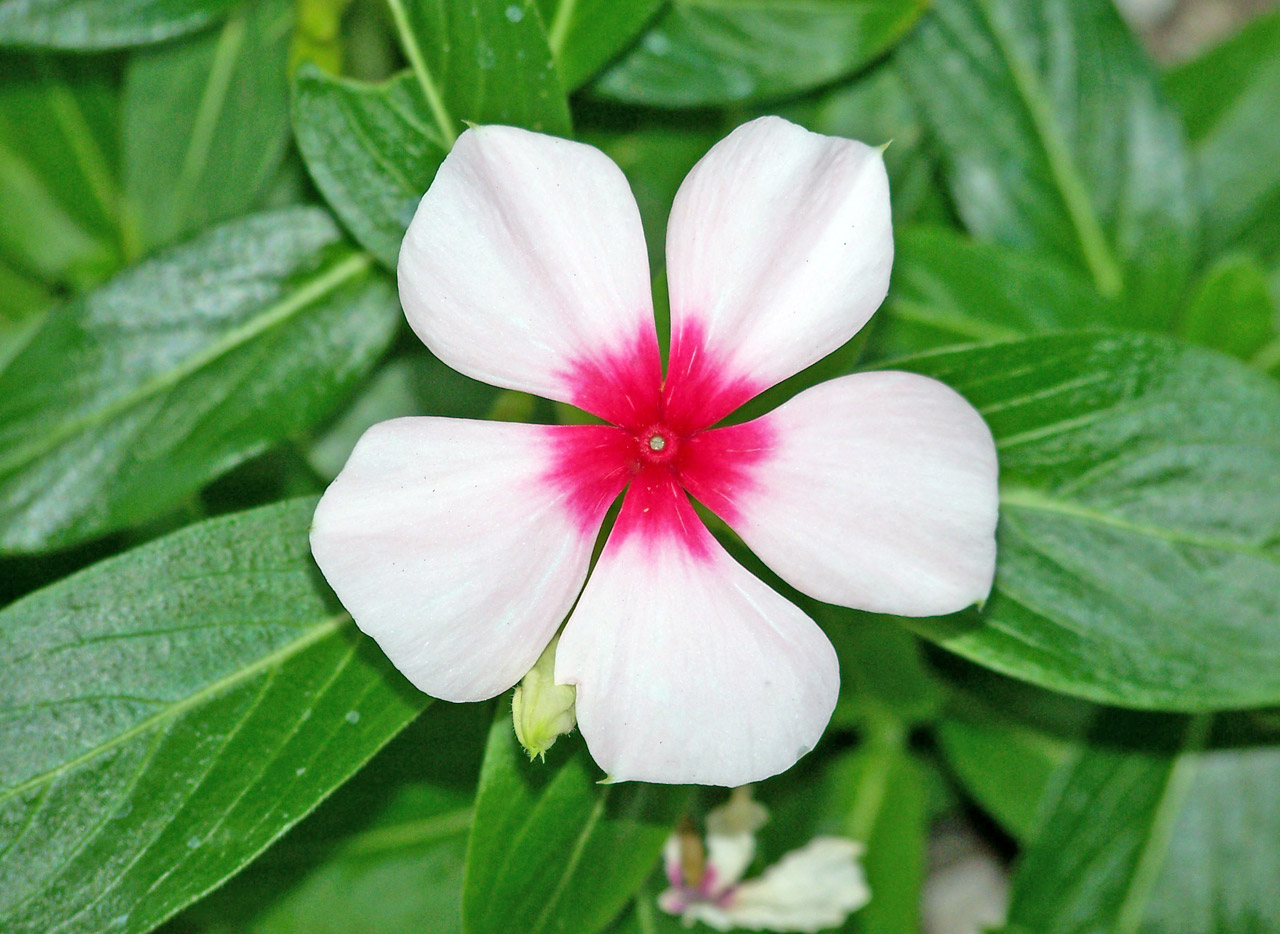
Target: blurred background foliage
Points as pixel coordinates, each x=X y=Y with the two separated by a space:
x=201 y=203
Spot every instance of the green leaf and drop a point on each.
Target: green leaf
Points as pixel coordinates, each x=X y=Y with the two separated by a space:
x=371 y=151
x=374 y=149
x=585 y=34
x=103 y=24
x=23 y=302
x=130 y=399
x=482 y=63
x=1006 y=766
x=1151 y=837
x=551 y=848
x=1231 y=309
x=1139 y=540
x=1105 y=831
x=1058 y=139
x=950 y=289
x=874 y=794
x=883 y=678
x=59 y=193
x=711 y=52
x=206 y=121
x=168 y=713
x=385 y=853
x=1228 y=101
x=415 y=384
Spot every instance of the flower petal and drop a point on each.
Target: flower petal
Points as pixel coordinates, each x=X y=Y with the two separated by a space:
x=778 y=251
x=460 y=545
x=875 y=491
x=810 y=889
x=525 y=267
x=689 y=668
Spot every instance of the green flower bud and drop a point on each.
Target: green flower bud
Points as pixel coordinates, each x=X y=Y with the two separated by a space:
x=541 y=709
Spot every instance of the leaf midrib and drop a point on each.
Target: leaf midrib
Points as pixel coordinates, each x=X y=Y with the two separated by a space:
x=1155 y=847
x=322 y=629
x=1037 y=501
x=418 y=62
x=329 y=281
x=1102 y=264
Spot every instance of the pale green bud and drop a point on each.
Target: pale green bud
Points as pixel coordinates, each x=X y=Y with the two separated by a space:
x=541 y=709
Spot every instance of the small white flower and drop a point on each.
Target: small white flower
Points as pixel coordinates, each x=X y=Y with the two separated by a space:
x=810 y=889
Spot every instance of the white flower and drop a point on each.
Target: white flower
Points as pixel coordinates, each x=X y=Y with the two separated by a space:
x=461 y=545
x=810 y=889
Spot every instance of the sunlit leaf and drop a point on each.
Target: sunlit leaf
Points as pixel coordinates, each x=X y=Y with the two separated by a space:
x=132 y=398
x=1139 y=540
x=1058 y=139
x=552 y=849
x=168 y=713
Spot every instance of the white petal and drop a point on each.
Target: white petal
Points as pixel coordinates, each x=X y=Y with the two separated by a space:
x=525 y=267
x=454 y=544
x=778 y=251
x=810 y=889
x=878 y=491
x=689 y=668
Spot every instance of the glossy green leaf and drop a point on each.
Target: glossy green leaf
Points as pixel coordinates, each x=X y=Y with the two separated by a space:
x=708 y=52
x=482 y=63
x=1139 y=538
x=206 y=121
x=585 y=34
x=551 y=848
x=950 y=289
x=371 y=150
x=1231 y=309
x=168 y=713
x=1142 y=836
x=59 y=187
x=384 y=854
x=103 y=24
x=132 y=398
x=1228 y=98
x=1058 y=139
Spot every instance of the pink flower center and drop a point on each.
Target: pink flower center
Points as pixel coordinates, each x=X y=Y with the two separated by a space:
x=658 y=445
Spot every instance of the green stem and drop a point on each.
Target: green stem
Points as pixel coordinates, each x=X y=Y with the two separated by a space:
x=418 y=62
